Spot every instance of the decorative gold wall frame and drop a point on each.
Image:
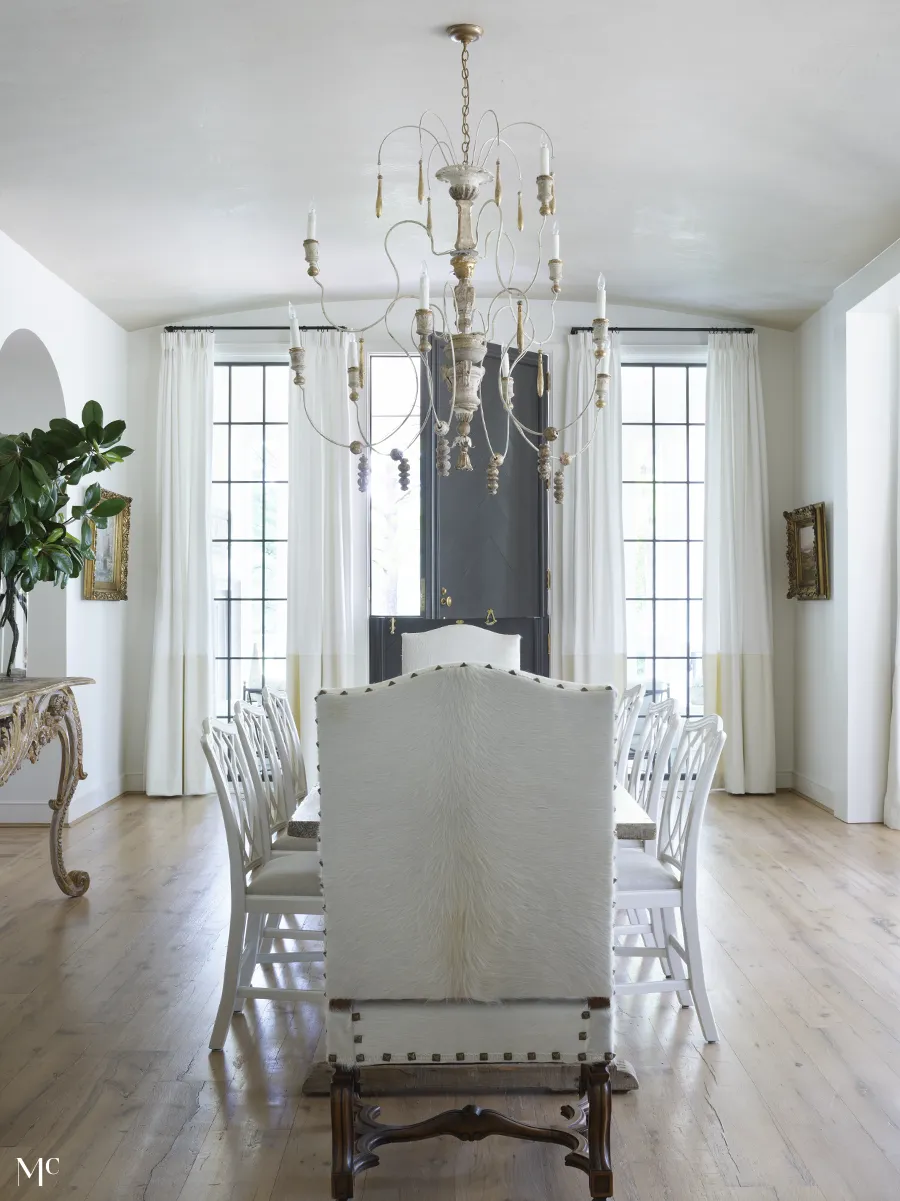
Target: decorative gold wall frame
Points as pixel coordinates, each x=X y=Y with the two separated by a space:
x=807 y=553
x=106 y=578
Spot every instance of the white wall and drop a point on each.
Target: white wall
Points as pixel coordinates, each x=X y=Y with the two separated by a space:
x=89 y=354
x=845 y=456
x=777 y=357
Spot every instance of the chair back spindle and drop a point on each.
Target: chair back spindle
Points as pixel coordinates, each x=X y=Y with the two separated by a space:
x=627 y=713
x=287 y=742
x=249 y=843
x=258 y=744
x=690 y=780
x=651 y=759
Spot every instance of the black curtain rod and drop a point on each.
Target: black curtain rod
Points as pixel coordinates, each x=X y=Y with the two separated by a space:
x=213 y=329
x=668 y=329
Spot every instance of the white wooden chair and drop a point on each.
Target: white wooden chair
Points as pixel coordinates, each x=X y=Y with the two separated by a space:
x=453 y=643
x=275 y=786
x=467 y=842
x=287 y=742
x=648 y=768
x=260 y=882
x=668 y=882
x=623 y=731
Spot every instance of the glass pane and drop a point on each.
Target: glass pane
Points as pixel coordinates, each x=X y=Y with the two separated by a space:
x=661 y=685
x=277 y=393
x=276 y=452
x=671 y=510
x=220 y=394
x=697 y=452
x=637 y=452
x=637 y=394
x=696 y=693
x=246 y=510
x=246 y=570
x=220 y=568
x=275 y=617
x=246 y=452
x=246 y=628
x=696 y=646
x=246 y=394
x=697 y=385
x=671 y=627
x=637 y=510
x=696 y=554
x=638 y=569
x=639 y=627
x=671 y=394
x=274 y=672
x=671 y=452
x=671 y=681
x=393 y=385
x=276 y=557
x=276 y=510
x=245 y=673
x=395 y=517
x=671 y=569
x=221 y=699
x=696 y=496
x=220 y=627
x=640 y=671
x=220 y=452
x=219 y=511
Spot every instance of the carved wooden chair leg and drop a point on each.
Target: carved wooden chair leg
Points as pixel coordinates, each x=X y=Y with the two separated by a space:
x=597 y=1087
x=344 y=1084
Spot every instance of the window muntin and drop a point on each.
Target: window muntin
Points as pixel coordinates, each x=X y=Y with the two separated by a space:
x=663 y=448
x=249 y=520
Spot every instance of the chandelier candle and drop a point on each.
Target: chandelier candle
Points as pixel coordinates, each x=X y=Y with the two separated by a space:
x=486 y=243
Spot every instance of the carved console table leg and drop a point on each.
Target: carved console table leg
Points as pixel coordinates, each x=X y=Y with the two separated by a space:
x=68 y=729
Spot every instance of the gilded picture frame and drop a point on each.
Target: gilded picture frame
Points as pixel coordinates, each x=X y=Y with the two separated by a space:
x=106 y=577
x=807 y=553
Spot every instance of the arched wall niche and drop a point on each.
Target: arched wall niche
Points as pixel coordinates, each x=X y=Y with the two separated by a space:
x=30 y=395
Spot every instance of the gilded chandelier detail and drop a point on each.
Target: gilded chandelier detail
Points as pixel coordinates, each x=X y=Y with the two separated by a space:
x=464 y=326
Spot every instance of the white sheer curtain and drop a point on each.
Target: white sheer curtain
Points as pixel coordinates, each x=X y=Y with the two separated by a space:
x=181 y=681
x=327 y=540
x=737 y=588
x=587 y=622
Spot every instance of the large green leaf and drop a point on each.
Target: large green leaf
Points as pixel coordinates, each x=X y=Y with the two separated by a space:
x=124 y=451
x=91 y=495
x=28 y=482
x=8 y=446
x=92 y=414
x=87 y=535
x=9 y=480
x=109 y=507
x=60 y=559
x=64 y=426
x=39 y=473
x=112 y=432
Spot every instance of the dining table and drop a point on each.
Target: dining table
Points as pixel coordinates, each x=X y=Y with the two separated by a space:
x=632 y=823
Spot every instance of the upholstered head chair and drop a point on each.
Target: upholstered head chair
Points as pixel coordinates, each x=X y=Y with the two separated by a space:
x=467 y=848
x=454 y=643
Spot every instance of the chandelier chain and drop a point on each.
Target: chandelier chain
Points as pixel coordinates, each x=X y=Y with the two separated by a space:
x=465 y=102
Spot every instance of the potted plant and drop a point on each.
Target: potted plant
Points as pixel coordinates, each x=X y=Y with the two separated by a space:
x=36 y=472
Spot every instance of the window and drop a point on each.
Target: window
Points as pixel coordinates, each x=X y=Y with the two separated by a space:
x=249 y=518
x=663 y=449
x=396 y=516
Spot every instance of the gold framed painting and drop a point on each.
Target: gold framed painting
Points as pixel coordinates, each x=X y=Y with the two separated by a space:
x=807 y=553
x=106 y=577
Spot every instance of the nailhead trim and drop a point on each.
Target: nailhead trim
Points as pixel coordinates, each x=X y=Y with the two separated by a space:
x=411 y=1055
x=435 y=1059
x=582 y=1055
x=460 y=1054
x=483 y=1055
x=507 y=1054
x=357 y=1038
x=360 y=1059
x=355 y=1017
x=582 y=1036
x=332 y=1059
x=586 y=1014
x=531 y=1055
x=386 y=1057
x=555 y=1055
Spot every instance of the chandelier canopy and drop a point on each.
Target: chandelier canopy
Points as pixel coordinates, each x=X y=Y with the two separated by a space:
x=466 y=326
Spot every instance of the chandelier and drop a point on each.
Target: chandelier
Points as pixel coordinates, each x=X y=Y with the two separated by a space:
x=464 y=325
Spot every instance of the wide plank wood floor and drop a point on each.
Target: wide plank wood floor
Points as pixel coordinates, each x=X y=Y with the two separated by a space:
x=106 y=1004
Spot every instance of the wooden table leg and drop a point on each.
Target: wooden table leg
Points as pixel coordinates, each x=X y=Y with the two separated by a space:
x=63 y=710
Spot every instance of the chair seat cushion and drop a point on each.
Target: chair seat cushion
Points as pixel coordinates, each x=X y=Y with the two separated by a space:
x=287 y=876
x=636 y=871
x=287 y=842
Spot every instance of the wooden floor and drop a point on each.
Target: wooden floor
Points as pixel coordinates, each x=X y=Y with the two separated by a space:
x=106 y=1005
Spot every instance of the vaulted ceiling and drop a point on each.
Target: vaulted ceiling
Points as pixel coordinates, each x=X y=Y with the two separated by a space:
x=734 y=158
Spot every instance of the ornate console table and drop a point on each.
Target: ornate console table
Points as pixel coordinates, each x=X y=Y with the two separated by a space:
x=33 y=713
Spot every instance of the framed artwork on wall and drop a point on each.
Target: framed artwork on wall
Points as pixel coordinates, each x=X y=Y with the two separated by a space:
x=807 y=553
x=106 y=578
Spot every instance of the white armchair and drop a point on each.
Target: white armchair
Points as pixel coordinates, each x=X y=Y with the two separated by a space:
x=467 y=843
x=460 y=644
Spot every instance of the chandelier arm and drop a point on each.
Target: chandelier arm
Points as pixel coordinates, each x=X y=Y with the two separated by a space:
x=485 y=428
x=429 y=112
x=488 y=112
x=440 y=144
x=573 y=454
x=393 y=433
x=534 y=125
x=321 y=433
x=500 y=141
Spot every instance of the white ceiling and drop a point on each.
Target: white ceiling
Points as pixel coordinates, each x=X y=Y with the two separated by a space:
x=727 y=157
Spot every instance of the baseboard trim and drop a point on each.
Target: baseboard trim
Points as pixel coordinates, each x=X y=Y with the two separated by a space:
x=784 y=780
x=133 y=782
x=811 y=791
x=84 y=803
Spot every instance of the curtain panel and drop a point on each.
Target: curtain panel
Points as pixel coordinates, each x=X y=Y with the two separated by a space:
x=587 y=621
x=181 y=680
x=327 y=609
x=737 y=586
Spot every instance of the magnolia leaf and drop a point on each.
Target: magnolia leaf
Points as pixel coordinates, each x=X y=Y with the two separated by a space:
x=55 y=534
x=30 y=486
x=9 y=480
x=92 y=414
x=7 y=560
x=124 y=451
x=87 y=535
x=63 y=425
x=17 y=509
x=60 y=559
x=39 y=473
x=112 y=433
x=8 y=446
x=91 y=495
x=109 y=507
